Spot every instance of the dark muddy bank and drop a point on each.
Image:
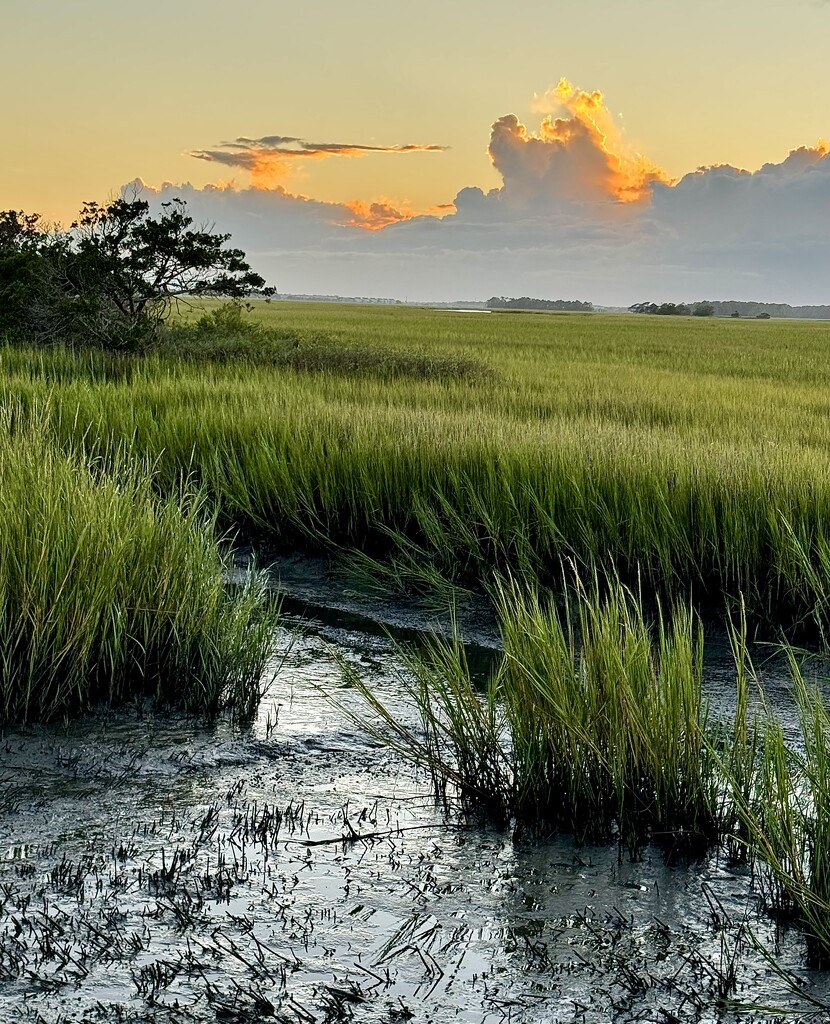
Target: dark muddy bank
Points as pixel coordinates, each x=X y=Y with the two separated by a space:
x=152 y=870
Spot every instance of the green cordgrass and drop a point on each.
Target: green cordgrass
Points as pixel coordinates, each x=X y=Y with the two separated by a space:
x=464 y=738
x=691 y=452
x=785 y=817
x=108 y=593
x=595 y=722
x=613 y=729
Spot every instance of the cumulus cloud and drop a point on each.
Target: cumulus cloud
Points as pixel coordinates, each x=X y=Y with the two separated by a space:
x=269 y=158
x=578 y=157
x=578 y=214
x=786 y=203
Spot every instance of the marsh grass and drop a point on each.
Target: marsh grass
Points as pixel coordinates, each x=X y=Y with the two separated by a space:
x=407 y=570
x=612 y=733
x=739 y=748
x=108 y=592
x=786 y=817
x=594 y=723
x=461 y=740
x=691 y=456
x=225 y=334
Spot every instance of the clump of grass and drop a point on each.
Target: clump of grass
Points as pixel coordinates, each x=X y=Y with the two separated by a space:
x=738 y=749
x=224 y=334
x=462 y=741
x=360 y=361
x=403 y=573
x=596 y=723
x=603 y=735
x=107 y=592
x=613 y=733
x=786 y=819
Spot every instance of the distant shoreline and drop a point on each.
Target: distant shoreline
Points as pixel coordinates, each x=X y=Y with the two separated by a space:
x=745 y=309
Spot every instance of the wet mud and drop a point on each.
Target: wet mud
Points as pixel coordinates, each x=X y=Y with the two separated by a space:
x=155 y=870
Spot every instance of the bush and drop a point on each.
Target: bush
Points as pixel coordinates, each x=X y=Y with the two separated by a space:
x=226 y=335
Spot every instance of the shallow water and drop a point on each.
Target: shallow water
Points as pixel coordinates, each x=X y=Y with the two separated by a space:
x=153 y=870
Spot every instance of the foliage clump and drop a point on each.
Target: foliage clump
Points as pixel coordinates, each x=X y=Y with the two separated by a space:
x=225 y=334
x=597 y=725
x=112 y=279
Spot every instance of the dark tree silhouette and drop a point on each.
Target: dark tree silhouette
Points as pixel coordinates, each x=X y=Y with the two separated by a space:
x=525 y=302
x=20 y=266
x=113 y=277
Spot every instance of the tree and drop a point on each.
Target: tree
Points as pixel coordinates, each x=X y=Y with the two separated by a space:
x=20 y=278
x=703 y=309
x=17 y=229
x=115 y=275
x=664 y=309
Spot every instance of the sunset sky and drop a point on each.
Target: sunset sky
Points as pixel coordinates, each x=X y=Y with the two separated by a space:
x=319 y=121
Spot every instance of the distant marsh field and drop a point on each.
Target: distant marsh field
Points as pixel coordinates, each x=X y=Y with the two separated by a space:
x=692 y=453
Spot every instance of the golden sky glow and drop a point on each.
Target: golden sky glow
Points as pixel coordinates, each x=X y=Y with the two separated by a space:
x=96 y=93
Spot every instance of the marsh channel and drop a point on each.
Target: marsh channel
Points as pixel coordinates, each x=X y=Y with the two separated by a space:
x=152 y=869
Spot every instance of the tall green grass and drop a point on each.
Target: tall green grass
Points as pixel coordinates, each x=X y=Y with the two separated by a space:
x=690 y=454
x=108 y=592
x=614 y=730
x=595 y=722
x=463 y=740
x=786 y=818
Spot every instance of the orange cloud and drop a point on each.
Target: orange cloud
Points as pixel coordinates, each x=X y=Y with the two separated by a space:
x=380 y=213
x=581 y=155
x=268 y=159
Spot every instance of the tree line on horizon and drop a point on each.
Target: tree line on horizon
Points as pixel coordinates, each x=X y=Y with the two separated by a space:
x=733 y=308
x=704 y=308
x=675 y=309
x=525 y=302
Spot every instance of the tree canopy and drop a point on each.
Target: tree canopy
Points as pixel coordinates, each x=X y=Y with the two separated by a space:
x=673 y=309
x=525 y=302
x=111 y=278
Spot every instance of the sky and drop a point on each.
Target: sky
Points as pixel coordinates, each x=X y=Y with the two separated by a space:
x=593 y=149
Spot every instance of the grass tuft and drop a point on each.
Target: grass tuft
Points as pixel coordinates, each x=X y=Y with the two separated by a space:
x=612 y=733
x=603 y=736
x=107 y=592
